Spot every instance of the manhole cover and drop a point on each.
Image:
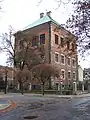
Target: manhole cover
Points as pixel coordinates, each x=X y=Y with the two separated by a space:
x=30 y=117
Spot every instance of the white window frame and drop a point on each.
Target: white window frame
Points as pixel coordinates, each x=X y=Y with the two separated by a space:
x=55 y=58
x=67 y=61
x=72 y=62
x=64 y=72
x=70 y=74
x=75 y=76
x=64 y=59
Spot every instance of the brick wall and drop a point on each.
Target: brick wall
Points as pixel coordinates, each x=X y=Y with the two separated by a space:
x=60 y=51
x=44 y=29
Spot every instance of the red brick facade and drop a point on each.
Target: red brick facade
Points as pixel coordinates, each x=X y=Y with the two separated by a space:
x=50 y=30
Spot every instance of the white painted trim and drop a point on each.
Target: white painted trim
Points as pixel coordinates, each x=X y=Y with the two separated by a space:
x=56 y=52
x=64 y=59
x=70 y=74
x=72 y=62
x=58 y=57
x=64 y=72
x=75 y=76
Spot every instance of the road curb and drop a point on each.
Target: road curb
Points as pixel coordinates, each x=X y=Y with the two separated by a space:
x=59 y=96
x=9 y=107
x=50 y=96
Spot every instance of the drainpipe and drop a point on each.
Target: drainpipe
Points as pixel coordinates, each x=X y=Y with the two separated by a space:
x=75 y=83
x=49 y=50
x=49 y=46
x=77 y=69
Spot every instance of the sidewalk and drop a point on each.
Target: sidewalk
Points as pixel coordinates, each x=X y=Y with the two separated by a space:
x=2 y=95
x=59 y=96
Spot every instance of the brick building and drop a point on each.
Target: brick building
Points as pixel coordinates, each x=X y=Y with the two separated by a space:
x=9 y=72
x=60 y=48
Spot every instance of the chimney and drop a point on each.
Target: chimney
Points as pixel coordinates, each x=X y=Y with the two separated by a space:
x=41 y=15
x=48 y=13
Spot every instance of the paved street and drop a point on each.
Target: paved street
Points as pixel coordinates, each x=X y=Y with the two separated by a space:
x=47 y=108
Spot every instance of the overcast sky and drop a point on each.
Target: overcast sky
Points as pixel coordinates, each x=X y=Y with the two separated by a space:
x=20 y=13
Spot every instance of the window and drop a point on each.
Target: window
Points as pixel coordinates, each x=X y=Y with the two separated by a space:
x=85 y=73
x=73 y=62
x=63 y=73
x=73 y=47
x=62 y=41
x=62 y=59
x=68 y=61
x=34 y=42
x=62 y=86
x=56 y=57
x=68 y=45
x=69 y=75
x=21 y=44
x=56 y=39
x=42 y=39
x=74 y=75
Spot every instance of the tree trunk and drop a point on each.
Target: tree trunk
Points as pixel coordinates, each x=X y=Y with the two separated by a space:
x=22 y=88
x=5 y=83
x=50 y=86
x=43 y=88
x=20 y=83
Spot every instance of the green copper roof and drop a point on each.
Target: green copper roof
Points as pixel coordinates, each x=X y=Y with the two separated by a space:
x=40 y=21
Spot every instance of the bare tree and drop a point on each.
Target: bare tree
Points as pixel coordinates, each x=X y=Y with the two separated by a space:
x=22 y=77
x=43 y=72
x=59 y=2
x=7 y=46
x=27 y=56
x=79 y=24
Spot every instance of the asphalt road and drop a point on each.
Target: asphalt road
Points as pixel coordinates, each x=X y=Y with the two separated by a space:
x=45 y=108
